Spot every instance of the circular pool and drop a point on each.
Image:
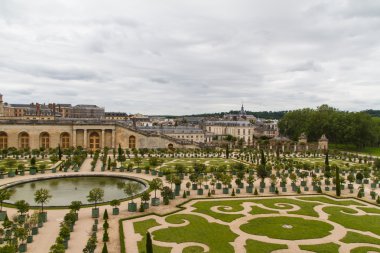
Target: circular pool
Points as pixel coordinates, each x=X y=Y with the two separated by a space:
x=65 y=189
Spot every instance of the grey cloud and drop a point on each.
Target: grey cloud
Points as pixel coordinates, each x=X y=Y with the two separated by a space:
x=193 y=56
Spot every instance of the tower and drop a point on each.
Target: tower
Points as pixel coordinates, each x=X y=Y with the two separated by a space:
x=1 y=105
x=242 y=111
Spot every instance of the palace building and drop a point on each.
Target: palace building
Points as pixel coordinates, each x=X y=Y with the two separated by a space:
x=88 y=134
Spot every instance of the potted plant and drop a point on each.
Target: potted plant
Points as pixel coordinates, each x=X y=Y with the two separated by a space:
x=22 y=208
x=250 y=180
x=42 y=197
x=21 y=234
x=131 y=189
x=155 y=184
x=75 y=206
x=145 y=197
x=166 y=192
x=5 y=194
x=226 y=180
x=262 y=172
x=33 y=168
x=115 y=203
x=95 y=196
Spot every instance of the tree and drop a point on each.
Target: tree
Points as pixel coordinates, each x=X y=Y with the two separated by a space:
x=75 y=206
x=262 y=172
x=95 y=195
x=149 y=246
x=22 y=206
x=115 y=203
x=42 y=197
x=5 y=194
x=105 y=215
x=105 y=250
x=131 y=189
x=263 y=159
x=105 y=236
x=59 y=152
x=145 y=196
x=166 y=192
x=156 y=184
x=337 y=181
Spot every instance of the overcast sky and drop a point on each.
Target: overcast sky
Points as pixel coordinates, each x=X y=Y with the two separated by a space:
x=182 y=57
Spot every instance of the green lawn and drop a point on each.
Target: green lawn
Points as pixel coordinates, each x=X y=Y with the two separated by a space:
x=331 y=201
x=365 y=250
x=262 y=247
x=216 y=236
x=142 y=227
x=26 y=162
x=205 y=207
x=375 y=151
x=321 y=248
x=169 y=163
x=352 y=237
x=363 y=223
x=300 y=229
x=219 y=237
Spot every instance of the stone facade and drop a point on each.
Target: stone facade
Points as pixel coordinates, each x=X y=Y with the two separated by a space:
x=90 y=135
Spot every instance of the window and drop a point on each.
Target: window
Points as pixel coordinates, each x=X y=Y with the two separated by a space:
x=94 y=141
x=3 y=140
x=65 y=140
x=44 y=140
x=132 y=142
x=24 y=140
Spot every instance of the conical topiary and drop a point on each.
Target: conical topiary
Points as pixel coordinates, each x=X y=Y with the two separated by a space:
x=105 y=215
x=149 y=246
x=105 y=250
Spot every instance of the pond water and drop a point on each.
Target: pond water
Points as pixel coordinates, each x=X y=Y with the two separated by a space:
x=67 y=189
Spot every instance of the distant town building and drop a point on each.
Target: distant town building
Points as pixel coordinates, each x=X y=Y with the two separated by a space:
x=192 y=134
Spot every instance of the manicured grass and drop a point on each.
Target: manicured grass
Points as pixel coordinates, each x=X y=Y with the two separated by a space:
x=370 y=210
x=351 y=148
x=216 y=236
x=365 y=250
x=321 y=160
x=142 y=227
x=25 y=162
x=321 y=248
x=332 y=201
x=262 y=247
x=169 y=163
x=352 y=237
x=205 y=206
x=305 y=208
x=258 y=210
x=363 y=223
x=193 y=249
x=301 y=228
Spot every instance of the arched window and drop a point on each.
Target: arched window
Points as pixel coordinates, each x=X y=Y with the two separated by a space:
x=24 y=140
x=3 y=140
x=44 y=140
x=94 y=141
x=132 y=142
x=65 y=140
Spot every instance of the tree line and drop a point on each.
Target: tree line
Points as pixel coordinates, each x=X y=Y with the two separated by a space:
x=342 y=127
